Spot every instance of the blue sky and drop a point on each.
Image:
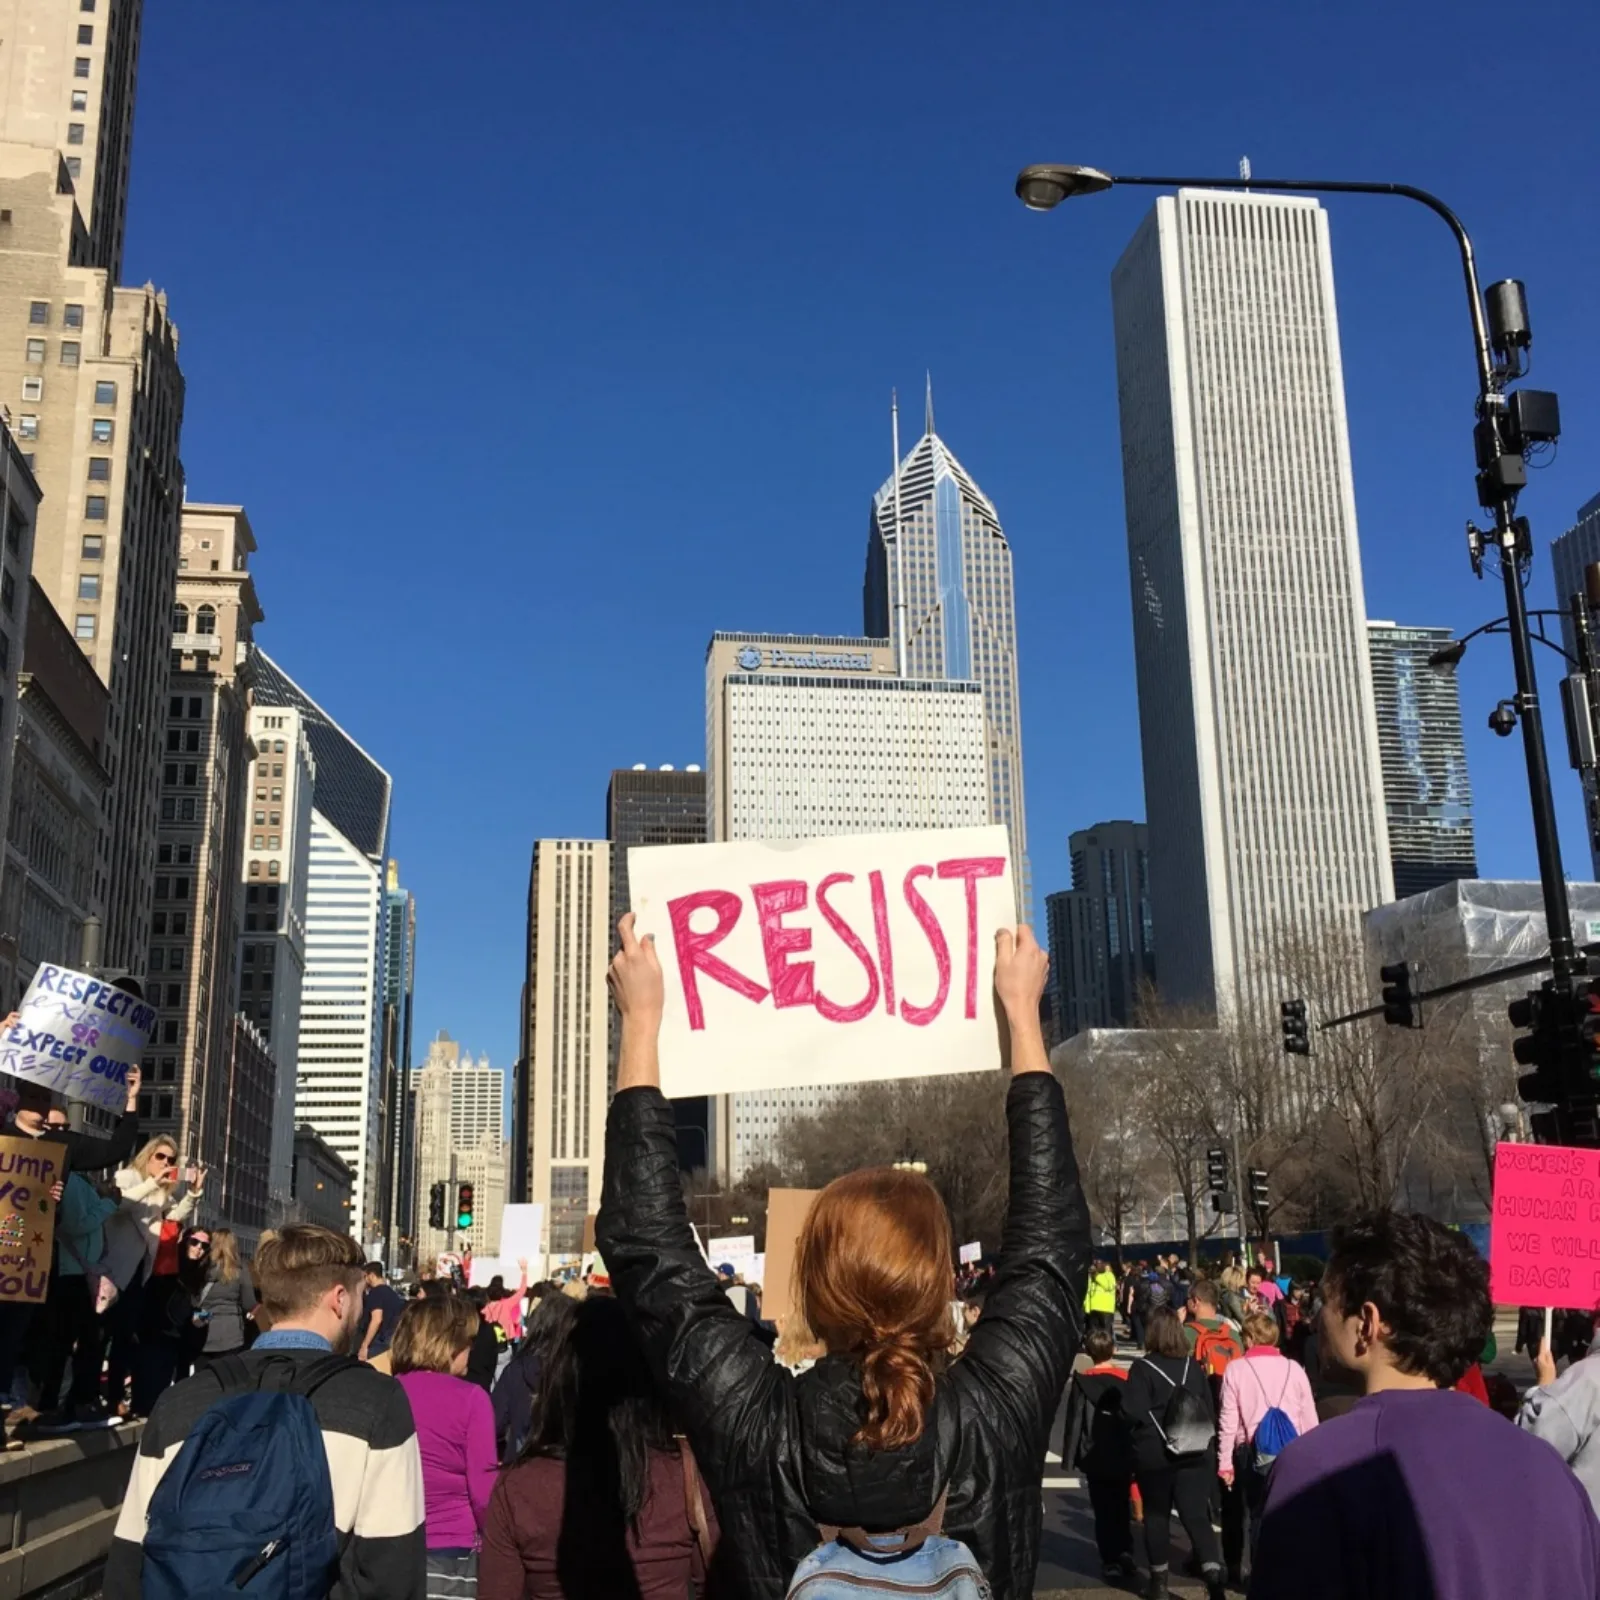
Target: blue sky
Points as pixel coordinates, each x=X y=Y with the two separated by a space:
x=542 y=340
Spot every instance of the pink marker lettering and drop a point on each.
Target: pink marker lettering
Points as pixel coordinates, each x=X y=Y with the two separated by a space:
x=852 y=941
x=793 y=982
x=970 y=869
x=880 y=927
x=921 y=1016
x=694 y=949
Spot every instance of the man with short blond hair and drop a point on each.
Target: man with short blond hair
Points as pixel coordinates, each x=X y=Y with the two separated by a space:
x=310 y=1281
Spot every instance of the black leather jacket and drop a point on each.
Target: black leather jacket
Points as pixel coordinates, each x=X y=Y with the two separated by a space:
x=774 y=1449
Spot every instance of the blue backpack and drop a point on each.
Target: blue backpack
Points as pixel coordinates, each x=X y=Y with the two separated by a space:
x=1275 y=1432
x=852 y=1564
x=246 y=1508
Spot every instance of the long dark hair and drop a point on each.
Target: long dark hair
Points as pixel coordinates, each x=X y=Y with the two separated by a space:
x=598 y=1409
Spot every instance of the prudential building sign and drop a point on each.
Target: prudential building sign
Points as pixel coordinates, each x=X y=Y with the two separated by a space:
x=752 y=659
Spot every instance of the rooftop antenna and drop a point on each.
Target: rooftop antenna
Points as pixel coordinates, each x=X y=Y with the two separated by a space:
x=1244 y=168
x=929 y=413
x=899 y=554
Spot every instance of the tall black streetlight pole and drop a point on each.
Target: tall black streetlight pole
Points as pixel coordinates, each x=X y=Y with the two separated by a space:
x=1506 y=426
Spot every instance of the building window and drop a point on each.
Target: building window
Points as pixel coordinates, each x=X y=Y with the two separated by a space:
x=174 y=738
x=169 y=810
x=84 y=625
x=94 y=546
x=255 y=869
x=186 y=811
x=191 y=775
x=194 y=705
x=86 y=5
x=174 y=994
x=74 y=133
x=175 y=706
x=80 y=99
x=39 y=313
x=72 y=316
x=180 y=619
x=27 y=426
x=33 y=388
x=85 y=33
x=88 y=585
x=191 y=741
x=258 y=841
x=205 y=619
x=74 y=166
x=180 y=888
x=5 y=653
x=36 y=351
x=70 y=349
x=274 y=841
x=103 y=431
x=169 y=773
x=94 y=507
x=80 y=67
x=272 y=869
x=105 y=392
x=99 y=469
x=8 y=590
x=163 y=888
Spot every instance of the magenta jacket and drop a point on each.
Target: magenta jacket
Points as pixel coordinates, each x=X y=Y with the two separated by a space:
x=455 y=1433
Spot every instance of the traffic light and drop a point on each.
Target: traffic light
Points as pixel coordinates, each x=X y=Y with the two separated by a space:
x=1260 y=1199
x=1296 y=1030
x=1401 y=1008
x=1217 y=1169
x=436 y=1206
x=464 y=1206
x=1559 y=1032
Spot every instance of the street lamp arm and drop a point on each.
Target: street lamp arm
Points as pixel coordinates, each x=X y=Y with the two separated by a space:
x=1499 y=625
x=1469 y=266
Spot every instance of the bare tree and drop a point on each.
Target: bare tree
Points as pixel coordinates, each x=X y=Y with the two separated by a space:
x=1113 y=1148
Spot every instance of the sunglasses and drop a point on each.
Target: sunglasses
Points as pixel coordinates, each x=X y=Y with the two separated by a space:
x=164 y=1159
x=199 y=1244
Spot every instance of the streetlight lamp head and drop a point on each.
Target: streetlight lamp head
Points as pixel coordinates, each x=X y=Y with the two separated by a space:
x=1448 y=655
x=1042 y=188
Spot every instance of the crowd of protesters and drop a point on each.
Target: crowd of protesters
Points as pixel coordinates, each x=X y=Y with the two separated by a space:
x=644 y=1430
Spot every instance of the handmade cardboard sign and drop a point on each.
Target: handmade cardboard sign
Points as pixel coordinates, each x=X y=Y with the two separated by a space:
x=28 y=1169
x=826 y=961
x=787 y=1210
x=1544 y=1234
x=77 y=1036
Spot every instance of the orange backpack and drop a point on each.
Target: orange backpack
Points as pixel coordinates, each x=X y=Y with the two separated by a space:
x=1214 y=1348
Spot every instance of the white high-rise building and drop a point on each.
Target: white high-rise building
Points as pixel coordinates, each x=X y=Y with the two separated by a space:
x=939 y=568
x=561 y=1110
x=1263 y=780
x=812 y=736
x=460 y=1138
x=339 y=1075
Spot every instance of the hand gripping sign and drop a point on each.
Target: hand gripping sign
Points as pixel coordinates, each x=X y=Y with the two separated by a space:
x=828 y=961
x=77 y=1036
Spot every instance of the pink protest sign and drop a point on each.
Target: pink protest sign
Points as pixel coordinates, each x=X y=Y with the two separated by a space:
x=1544 y=1237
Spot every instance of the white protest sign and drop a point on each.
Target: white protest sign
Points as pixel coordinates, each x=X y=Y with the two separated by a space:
x=77 y=1036
x=972 y=1252
x=741 y=1244
x=485 y=1269
x=825 y=961
x=521 y=1227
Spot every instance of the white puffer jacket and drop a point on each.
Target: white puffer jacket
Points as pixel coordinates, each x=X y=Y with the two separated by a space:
x=146 y=1204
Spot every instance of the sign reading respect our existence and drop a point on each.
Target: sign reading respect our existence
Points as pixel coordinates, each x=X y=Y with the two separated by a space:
x=826 y=961
x=1544 y=1234
x=78 y=1036
x=28 y=1169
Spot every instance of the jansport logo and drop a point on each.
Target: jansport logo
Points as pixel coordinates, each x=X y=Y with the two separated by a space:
x=235 y=1469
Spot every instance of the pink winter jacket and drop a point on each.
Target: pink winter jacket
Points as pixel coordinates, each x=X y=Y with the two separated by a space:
x=1251 y=1385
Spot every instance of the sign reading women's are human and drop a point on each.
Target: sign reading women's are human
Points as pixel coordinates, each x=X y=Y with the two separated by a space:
x=827 y=961
x=78 y=1036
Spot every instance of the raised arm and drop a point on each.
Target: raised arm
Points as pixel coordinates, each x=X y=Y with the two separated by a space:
x=714 y=1364
x=1022 y=1347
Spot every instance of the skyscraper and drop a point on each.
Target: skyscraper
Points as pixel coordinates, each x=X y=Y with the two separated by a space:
x=193 y=975
x=339 y=1082
x=1263 y=783
x=275 y=873
x=1569 y=555
x=460 y=1138
x=67 y=75
x=808 y=736
x=941 y=534
x=559 y=1108
x=93 y=372
x=399 y=979
x=1427 y=794
x=1102 y=942
x=660 y=806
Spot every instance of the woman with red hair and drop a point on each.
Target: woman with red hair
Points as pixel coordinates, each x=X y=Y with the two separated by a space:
x=886 y=1434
